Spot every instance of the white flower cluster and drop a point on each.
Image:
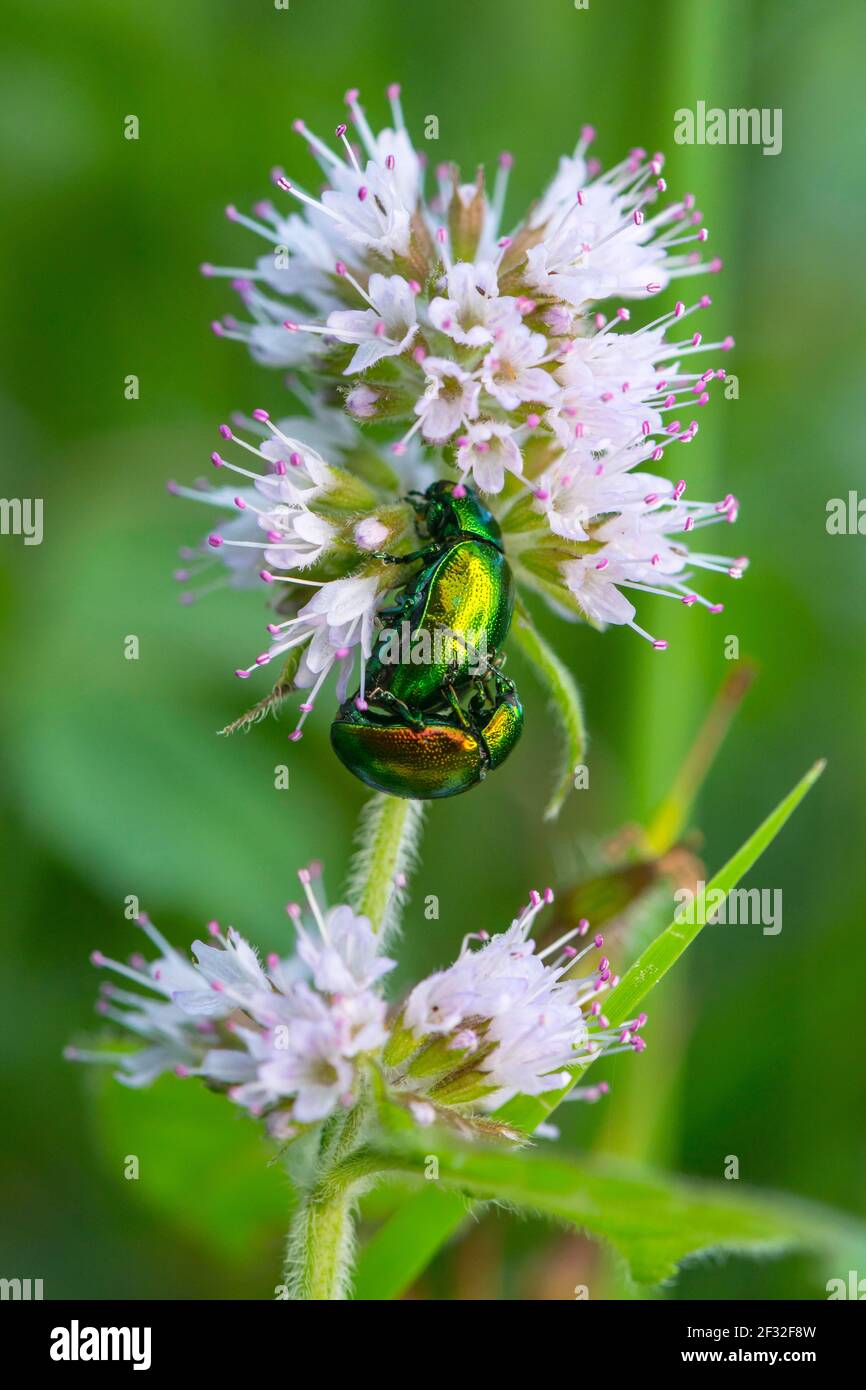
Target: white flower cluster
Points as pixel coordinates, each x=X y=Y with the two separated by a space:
x=289 y=510
x=505 y=1018
x=492 y=347
x=283 y=1038
x=293 y=1039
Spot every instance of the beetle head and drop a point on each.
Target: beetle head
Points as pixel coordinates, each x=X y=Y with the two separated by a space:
x=465 y=514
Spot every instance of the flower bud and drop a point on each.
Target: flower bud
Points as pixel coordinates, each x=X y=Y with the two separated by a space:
x=361 y=402
x=370 y=534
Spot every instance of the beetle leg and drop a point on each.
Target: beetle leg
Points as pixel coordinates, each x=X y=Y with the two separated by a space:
x=486 y=759
x=477 y=716
x=505 y=683
x=411 y=716
x=462 y=717
x=487 y=666
x=471 y=720
x=502 y=682
x=395 y=612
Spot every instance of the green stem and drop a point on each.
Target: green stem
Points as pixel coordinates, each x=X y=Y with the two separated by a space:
x=387 y=839
x=565 y=700
x=321 y=1239
x=320 y=1246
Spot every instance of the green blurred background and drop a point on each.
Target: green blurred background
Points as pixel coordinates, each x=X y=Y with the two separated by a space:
x=114 y=781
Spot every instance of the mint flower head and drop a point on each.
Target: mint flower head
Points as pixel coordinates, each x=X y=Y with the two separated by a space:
x=430 y=336
x=507 y=1018
x=308 y=530
x=282 y=1038
x=294 y=1040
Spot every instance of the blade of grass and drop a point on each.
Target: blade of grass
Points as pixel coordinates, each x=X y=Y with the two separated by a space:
x=653 y=964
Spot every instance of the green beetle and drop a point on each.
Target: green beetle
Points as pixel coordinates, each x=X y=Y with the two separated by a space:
x=455 y=612
x=444 y=752
x=437 y=715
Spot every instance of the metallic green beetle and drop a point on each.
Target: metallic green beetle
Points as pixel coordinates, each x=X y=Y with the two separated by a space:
x=437 y=714
x=447 y=752
x=455 y=612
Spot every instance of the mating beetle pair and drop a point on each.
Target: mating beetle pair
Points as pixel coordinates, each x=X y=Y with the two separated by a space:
x=433 y=728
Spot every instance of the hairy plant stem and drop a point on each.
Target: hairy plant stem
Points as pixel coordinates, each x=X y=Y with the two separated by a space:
x=322 y=1237
x=386 y=847
x=323 y=1230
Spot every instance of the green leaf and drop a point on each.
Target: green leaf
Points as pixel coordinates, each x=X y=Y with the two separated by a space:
x=653 y=1221
x=565 y=698
x=528 y=1111
x=405 y=1244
